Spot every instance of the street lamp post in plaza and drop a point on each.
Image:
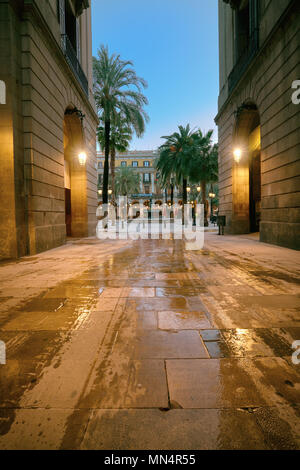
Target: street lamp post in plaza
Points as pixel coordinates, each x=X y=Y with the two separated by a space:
x=211 y=195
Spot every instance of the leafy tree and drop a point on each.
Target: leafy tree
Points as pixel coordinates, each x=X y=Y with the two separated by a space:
x=204 y=165
x=120 y=137
x=127 y=181
x=175 y=157
x=117 y=91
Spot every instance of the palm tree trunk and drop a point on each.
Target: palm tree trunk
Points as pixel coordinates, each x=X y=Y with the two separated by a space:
x=172 y=201
x=112 y=170
x=106 y=163
x=204 y=202
x=184 y=197
x=172 y=194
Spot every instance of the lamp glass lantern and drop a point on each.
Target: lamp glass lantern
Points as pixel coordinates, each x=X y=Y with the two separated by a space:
x=82 y=158
x=237 y=153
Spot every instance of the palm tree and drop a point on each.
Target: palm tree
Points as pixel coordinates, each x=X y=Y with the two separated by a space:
x=120 y=136
x=175 y=157
x=117 y=90
x=204 y=165
x=127 y=181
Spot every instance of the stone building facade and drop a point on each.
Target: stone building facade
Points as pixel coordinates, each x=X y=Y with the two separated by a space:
x=259 y=120
x=47 y=119
x=141 y=162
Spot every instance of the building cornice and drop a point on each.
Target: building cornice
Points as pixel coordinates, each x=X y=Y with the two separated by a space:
x=81 y=5
x=233 y=3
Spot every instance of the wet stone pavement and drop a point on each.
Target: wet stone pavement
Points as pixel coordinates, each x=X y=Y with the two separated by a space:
x=143 y=345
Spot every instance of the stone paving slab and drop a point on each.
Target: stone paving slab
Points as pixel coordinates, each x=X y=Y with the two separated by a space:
x=182 y=321
x=162 y=304
x=172 y=430
x=46 y=431
x=165 y=344
x=147 y=385
x=143 y=292
x=178 y=276
x=229 y=383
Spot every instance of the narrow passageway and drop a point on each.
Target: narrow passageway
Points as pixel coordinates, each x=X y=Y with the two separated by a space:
x=144 y=345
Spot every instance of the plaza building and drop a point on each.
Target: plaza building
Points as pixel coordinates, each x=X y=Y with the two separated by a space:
x=48 y=121
x=258 y=119
x=143 y=163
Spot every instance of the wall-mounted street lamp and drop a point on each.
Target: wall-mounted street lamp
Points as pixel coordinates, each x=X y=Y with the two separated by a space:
x=199 y=189
x=82 y=158
x=188 y=189
x=110 y=192
x=237 y=153
x=100 y=192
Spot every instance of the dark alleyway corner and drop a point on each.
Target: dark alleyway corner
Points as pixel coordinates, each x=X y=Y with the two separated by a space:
x=111 y=345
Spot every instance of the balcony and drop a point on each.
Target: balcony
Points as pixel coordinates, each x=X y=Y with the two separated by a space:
x=71 y=58
x=244 y=61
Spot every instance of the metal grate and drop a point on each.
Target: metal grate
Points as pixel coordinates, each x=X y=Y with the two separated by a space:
x=73 y=61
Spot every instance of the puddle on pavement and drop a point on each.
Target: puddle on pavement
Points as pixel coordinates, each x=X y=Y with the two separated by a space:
x=36 y=329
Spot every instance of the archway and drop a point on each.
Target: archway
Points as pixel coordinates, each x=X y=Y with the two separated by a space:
x=75 y=179
x=246 y=185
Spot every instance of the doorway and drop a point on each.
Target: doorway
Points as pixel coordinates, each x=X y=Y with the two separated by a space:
x=67 y=186
x=254 y=180
x=75 y=177
x=246 y=172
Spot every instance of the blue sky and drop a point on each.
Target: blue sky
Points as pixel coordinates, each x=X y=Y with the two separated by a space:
x=174 y=46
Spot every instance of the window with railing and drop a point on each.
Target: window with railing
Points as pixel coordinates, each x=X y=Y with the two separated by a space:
x=70 y=40
x=246 y=43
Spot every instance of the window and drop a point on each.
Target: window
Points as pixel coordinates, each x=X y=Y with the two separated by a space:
x=2 y=92
x=147 y=190
x=146 y=177
x=147 y=164
x=100 y=165
x=242 y=30
x=246 y=26
x=58 y=10
x=135 y=164
x=123 y=163
x=246 y=38
x=71 y=25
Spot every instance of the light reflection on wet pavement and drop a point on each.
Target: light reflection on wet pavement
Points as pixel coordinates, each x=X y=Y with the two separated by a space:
x=111 y=345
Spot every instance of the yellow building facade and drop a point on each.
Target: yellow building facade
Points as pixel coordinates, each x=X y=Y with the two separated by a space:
x=141 y=162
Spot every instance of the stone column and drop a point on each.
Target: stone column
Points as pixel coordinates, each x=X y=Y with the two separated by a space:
x=141 y=182
x=152 y=182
